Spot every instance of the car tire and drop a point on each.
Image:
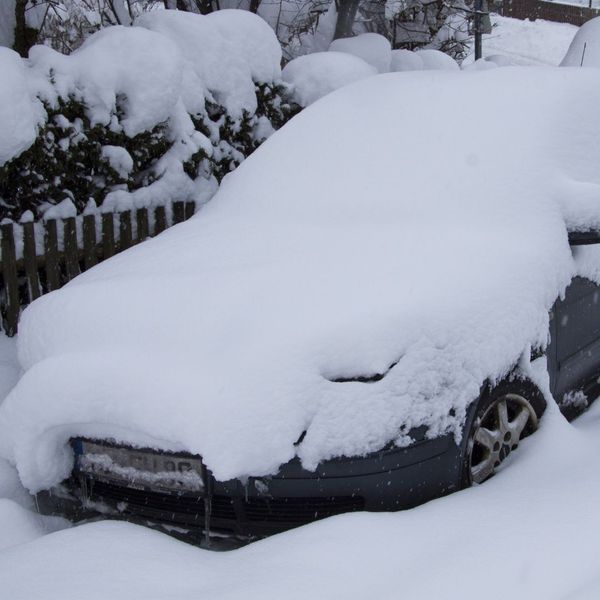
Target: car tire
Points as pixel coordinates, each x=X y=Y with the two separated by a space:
x=504 y=415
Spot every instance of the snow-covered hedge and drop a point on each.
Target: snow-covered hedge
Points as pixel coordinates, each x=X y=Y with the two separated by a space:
x=138 y=115
x=312 y=76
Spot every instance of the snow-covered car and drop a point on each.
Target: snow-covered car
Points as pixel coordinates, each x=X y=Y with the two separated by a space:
x=372 y=312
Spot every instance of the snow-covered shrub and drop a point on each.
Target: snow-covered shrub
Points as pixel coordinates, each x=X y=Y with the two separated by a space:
x=315 y=75
x=371 y=47
x=312 y=76
x=143 y=115
x=73 y=159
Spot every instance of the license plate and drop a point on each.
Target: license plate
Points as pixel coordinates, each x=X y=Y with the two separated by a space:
x=139 y=469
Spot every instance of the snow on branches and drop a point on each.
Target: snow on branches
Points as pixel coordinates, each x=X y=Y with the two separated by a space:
x=131 y=119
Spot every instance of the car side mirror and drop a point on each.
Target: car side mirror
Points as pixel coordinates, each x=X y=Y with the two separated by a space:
x=584 y=238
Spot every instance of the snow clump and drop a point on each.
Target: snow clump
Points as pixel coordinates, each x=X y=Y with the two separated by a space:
x=312 y=76
x=350 y=59
x=135 y=65
x=223 y=54
x=422 y=60
x=18 y=115
x=373 y=48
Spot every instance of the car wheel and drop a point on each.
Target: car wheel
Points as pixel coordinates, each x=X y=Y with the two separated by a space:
x=503 y=418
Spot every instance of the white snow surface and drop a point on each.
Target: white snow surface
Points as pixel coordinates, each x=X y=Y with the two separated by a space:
x=373 y=48
x=313 y=76
x=405 y=60
x=538 y=518
x=316 y=75
x=434 y=60
x=527 y=42
x=169 y=57
x=224 y=54
x=18 y=119
x=422 y=60
x=584 y=50
x=18 y=522
x=337 y=249
x=140 y=65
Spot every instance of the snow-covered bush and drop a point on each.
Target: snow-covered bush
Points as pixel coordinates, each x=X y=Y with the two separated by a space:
x=140 y=115
x=314 y=75
x=371 y=47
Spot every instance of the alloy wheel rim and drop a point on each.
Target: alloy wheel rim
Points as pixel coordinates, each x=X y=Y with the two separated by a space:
x=497 y=433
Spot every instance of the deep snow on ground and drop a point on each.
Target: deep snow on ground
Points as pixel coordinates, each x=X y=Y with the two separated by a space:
x=530 y=532
x=527 y=42
x=18 y=522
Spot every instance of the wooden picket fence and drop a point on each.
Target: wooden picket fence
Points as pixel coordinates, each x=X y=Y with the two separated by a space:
x=41 y=257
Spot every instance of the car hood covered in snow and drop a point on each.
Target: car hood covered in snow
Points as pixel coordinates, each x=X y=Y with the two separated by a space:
x=412 y=218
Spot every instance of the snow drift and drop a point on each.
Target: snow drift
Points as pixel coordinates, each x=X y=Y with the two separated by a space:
x=390 y=223
x=584 y=50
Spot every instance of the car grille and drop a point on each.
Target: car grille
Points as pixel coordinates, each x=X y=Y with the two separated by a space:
x=189 y=510
x=300 y=510
x=143 y=501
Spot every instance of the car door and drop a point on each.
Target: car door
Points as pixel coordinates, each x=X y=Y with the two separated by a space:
x=574 y=352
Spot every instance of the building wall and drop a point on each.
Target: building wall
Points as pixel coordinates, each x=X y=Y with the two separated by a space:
x=549 y=11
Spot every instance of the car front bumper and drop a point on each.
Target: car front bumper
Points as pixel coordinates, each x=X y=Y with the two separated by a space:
x=393 y=479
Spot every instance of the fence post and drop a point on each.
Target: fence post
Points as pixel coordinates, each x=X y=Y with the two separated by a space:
x=190 y=209
x=90 y=257
x=71 y=249
x=11 y=280
x=178 y=212
x=108 y=235
x=160 y=220
x=142 y=224
x=51 y=250
x=30 y=260
x=125 y=236
x=21 y=281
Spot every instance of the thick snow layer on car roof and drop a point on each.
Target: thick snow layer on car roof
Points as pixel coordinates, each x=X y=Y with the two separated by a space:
x=393 y=221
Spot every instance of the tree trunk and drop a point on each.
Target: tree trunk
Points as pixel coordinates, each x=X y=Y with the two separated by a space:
x=25 y=37
x=346 y=13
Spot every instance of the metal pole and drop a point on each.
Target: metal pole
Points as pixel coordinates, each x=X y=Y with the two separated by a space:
x=477 y=28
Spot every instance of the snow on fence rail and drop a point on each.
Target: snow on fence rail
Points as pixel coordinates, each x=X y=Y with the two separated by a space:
x=41 y=257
